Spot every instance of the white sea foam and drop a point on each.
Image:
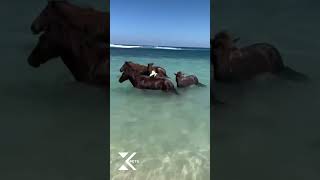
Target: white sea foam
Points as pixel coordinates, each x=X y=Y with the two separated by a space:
x=167 y=48
x=123 y=46
x=153 y=47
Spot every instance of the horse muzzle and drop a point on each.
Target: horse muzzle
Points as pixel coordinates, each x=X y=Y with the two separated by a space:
x=121 y=80
x=35 y=30
x=33 y=63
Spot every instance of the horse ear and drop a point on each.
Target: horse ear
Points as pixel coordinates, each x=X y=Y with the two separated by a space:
x=128 y=63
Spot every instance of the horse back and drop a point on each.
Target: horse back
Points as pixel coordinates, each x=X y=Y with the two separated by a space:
x=261 y=57
x=146 y=82
x=187 y=81
x=161 y=71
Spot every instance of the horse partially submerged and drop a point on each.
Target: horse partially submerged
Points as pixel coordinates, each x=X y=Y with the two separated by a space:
x=185 y=81
x=232 y=63
x=145 y=70
x=146 y=82
x=88 y=64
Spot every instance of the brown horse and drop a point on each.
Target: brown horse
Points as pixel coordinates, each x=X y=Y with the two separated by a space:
x=93 y=23
x=185 y=81
x=145 y=70
x=145 y=82
x=233 y=63
x=58 y=42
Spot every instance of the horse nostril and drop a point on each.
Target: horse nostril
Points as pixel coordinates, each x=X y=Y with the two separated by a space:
x=32 y=63
x=34 y=29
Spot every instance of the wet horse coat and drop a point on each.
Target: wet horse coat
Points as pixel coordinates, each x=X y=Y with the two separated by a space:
x=233 y=63
x=146 y=82
x=145 y=70
x=58 y=41
x=185 y=81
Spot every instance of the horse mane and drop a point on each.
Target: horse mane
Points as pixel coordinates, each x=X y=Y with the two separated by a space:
x=129 y=64
x=62 y=14
x=81 y=6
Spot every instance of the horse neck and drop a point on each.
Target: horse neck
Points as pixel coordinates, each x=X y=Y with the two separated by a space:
x=177 y=79
x=222 y=61
x=77 y=69
x=133 y=79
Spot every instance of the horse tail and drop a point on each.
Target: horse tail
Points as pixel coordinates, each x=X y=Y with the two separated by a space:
x=197 y=82
x=290 y=74
x=201 y=85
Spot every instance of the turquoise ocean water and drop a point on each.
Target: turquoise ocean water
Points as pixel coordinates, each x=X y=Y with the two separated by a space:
x=169 y=133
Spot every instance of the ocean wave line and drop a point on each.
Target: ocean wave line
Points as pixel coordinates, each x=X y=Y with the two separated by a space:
x=123 y=46
x=167 y=48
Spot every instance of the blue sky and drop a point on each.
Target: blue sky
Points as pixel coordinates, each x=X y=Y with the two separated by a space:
x=160 y=22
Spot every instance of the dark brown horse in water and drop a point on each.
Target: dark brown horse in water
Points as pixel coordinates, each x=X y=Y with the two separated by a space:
x=145 y=70
x=232 y=63
x=185 y=81
x=146 y=82
x=94 y=24
x=58 y=41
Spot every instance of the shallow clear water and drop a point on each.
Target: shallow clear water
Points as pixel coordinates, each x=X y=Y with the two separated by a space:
x=170 y=133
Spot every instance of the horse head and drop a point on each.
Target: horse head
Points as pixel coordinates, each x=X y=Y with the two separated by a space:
x=222 y=40
x=127 y=71
x=50 y=45
x=48 y=16
x=44 y=51
x=123 y=77
x=178 y=74
x=125 y=65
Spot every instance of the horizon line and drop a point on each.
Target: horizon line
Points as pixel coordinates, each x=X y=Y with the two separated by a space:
x=159 y=45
